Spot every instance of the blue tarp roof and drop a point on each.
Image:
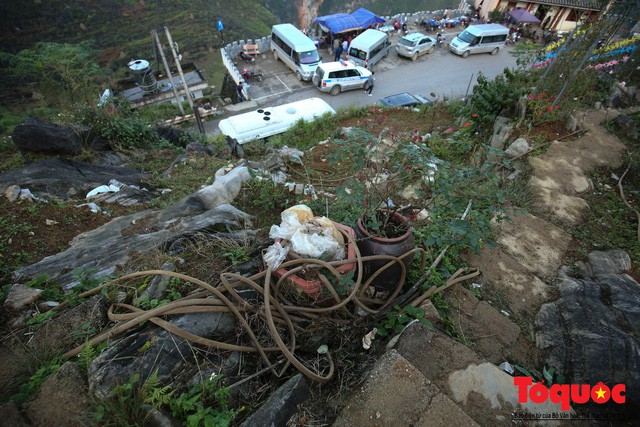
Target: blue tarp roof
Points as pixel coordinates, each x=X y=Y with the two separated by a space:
x=366 y=18
x=338 y=22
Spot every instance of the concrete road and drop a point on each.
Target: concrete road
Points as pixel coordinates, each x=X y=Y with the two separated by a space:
x=441 y=72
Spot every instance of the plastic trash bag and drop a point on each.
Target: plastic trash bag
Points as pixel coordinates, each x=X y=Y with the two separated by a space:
x=313 y=240
x=102 y=189
x=291 y=220
x=275 y=255
x=308 y=236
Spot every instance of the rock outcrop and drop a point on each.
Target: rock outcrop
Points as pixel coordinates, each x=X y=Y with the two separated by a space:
x=591 y=332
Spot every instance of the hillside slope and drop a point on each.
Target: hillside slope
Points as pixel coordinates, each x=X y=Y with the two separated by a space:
x=121 y=28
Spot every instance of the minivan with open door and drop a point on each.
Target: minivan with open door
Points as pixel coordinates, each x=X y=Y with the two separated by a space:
x=369 y=48
x=295 y=49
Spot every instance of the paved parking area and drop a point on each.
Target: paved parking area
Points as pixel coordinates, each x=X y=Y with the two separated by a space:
x=279 y=80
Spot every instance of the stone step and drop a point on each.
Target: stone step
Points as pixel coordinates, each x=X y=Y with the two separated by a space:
x=535 y=243
x=506 y=282
x=396 y=393
x=478 y=388
x=429 y=379
x=559 y=208
x=495 y=336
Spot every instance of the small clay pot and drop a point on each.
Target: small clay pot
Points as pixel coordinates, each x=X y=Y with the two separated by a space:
x=370 y=244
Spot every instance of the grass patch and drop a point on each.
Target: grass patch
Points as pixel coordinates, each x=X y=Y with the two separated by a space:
x=611 y=224
x=184 y=178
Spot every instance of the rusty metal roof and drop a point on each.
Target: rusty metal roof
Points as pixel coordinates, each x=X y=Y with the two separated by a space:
x=575 y=4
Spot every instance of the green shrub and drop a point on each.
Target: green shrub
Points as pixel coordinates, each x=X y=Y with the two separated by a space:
x=305 y=135
x=490 y=97
x=121 y=128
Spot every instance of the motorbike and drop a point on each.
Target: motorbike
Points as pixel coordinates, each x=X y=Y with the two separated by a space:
x=245 y=57
x=440 y=39
x=248 y=75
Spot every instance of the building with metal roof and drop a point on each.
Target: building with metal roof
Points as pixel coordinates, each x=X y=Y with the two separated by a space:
x=559 y=15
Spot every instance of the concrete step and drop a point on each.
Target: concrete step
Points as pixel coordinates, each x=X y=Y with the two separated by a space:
x=429 y=379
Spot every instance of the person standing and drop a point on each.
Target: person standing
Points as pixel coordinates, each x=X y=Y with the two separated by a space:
x=369 y=84
x=338 y=53
x=239 y=89
x=345 y=45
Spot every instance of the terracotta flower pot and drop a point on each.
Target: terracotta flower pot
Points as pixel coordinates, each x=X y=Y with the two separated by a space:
x=371 y=244
x=313 y=287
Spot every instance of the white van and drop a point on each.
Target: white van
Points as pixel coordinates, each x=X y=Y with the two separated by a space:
x=295 y=49
x=485 y=38
x=266 y=122
x=335 y=77
x=369 y=48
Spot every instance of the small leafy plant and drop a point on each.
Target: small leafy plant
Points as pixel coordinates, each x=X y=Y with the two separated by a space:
x=399 y=317
x=204 y=405
x=29 y=389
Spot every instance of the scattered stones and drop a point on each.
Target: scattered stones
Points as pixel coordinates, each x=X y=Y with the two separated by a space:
x=610 y=262
x=63 y=178
x=12 y=193
x=518 y=148
x=281 y=405
x=502 y=128
x=157 y=286
x=626 y=125
x=21 y=297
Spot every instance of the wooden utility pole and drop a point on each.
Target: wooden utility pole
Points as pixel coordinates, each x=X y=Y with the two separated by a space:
x=184 y=82
x=154 y=34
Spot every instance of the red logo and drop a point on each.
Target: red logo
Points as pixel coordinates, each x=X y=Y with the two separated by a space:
x=565 y=394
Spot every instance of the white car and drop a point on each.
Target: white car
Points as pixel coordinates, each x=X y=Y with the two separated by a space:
x=335 y=77
x=415 y=44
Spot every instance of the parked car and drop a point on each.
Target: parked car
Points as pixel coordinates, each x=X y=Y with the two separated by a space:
x=402 y=100
x=335 y=77
x=415 y=44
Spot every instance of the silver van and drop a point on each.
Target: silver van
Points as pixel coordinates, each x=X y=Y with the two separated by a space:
x=485 y=38
x=336 y=77
x=295 y=49
x=369 y=48
x=415 y=44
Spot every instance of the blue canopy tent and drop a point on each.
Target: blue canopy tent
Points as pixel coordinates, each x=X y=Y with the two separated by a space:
x=338 y=23
x=367 y=19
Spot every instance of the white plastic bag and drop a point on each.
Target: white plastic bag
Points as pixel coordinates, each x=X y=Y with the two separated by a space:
x=292 y=220
x=275 y=255
x=308 y=236
x=313 y=240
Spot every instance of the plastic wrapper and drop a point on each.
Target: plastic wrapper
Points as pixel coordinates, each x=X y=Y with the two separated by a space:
x=307 y=236
x=275 y=255
x=291 y=221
